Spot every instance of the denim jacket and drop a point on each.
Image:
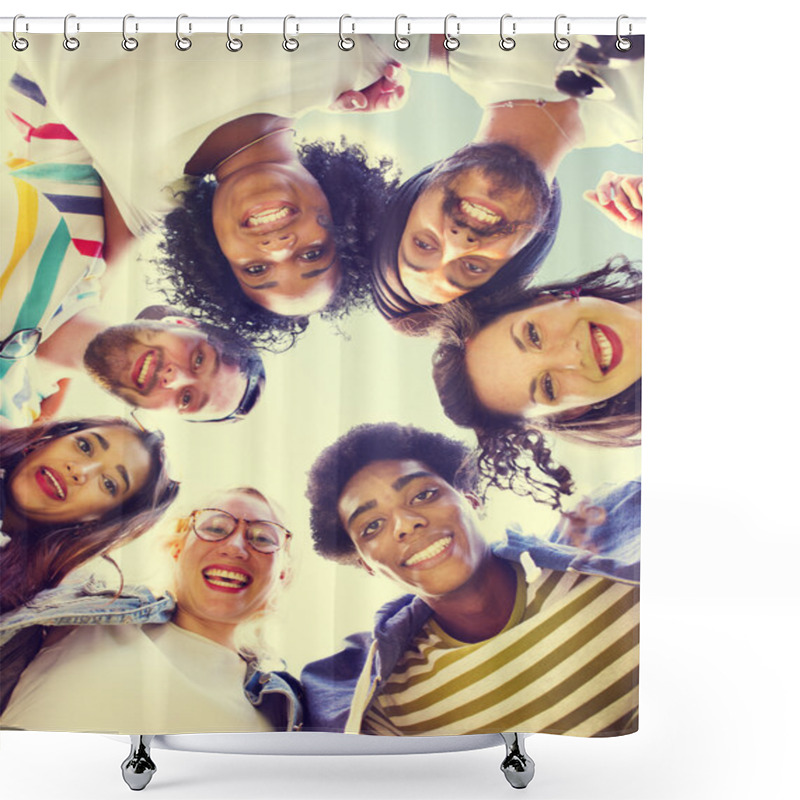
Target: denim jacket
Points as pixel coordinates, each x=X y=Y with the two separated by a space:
x=340 y=688
x=93 y=603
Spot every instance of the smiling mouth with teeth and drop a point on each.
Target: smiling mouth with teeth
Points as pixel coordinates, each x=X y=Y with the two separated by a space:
x=228 y=580
x=269 y=216
x=479 y=213
x=606 y=346
x=50 y=484
x=430 y=551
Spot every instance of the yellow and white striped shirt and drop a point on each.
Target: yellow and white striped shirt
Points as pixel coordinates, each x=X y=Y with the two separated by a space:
x=566 y=662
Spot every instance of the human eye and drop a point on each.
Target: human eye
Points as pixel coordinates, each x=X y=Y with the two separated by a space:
x=424 y=495
x=84 y=445
x=184 y=400
x=420 y=244
x=314 y=254
x=110 y=485
x=533 y=335
x=255 y=269
x=475 y=269
x=197 y=359
x=548 y=388
x=371 y=528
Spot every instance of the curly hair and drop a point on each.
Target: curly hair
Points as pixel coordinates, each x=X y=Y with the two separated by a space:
x=39 y=556
x=449 y=459
x=394 y=303
x=513 y=450
x=200 y=280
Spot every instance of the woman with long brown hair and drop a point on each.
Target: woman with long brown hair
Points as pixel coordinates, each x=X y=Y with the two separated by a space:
x=562 y=359
x=73 y=490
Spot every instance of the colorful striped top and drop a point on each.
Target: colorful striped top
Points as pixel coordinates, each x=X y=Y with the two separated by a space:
x=52 y=201
x=566 y=662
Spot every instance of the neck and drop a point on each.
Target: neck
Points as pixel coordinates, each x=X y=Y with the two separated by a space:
x=237 y=143
x=61 y=353
x=546 y=133
x=481 y=607
x=219 y=632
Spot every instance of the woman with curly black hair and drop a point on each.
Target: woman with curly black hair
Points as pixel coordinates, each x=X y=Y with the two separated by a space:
x=274 y=234
x=216 y=124
x=560 y=359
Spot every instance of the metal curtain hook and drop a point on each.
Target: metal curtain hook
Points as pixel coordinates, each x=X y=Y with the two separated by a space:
x=233 y=44
x=400 y=42
x=70 y=42
x=290 y=44
x=128 y=42
x=19 y=44
x=451 y=42
x=560 y=43
x=622 y=44
x=345 y=42
x=182 y=42
x=507 y=42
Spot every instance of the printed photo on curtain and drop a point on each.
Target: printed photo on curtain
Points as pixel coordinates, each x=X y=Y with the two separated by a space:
x=321 y=385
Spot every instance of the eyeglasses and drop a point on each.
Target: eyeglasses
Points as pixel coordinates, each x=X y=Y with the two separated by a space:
x=21 y=343
x=214 y=525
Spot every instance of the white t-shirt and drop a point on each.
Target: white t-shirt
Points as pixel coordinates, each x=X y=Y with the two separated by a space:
x=143 y=114
x=529 y=71
x=129 y=679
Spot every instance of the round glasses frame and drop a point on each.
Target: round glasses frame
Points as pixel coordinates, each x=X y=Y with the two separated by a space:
x=284 y=534
x=21 y=343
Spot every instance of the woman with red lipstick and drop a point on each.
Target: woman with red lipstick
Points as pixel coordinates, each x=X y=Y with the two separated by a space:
x=562 y=359
x=204 y=656
x=71 y=491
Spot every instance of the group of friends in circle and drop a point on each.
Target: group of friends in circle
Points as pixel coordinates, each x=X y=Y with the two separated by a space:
x=258 y=234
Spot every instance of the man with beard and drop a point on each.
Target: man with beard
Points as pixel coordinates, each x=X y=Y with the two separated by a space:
x=161 y=361
x=486 y=217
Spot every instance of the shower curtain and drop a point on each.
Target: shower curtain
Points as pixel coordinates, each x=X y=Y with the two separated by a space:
x=321 y=383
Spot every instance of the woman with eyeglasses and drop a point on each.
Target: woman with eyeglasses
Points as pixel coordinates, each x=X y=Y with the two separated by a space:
x=197 y=664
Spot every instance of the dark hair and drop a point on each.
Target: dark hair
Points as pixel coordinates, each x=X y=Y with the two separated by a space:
x=200 y=278
x=513 y=449
x=39 y=556
x=405 y=313
x=362 y=445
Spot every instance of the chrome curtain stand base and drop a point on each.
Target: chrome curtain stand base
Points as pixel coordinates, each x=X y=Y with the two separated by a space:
x=517 y=766
x=138 y=768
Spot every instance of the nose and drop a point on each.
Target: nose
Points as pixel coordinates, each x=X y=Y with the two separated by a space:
x=235 y=546
x=457 y=242
x=565 y=355
x=78 y=474
x=408 y=522
x=279 y=246
x=171 y=375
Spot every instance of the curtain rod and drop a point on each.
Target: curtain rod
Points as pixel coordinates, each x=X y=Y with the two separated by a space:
x=408 y=25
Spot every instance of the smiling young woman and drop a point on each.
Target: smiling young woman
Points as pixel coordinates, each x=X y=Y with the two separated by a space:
x=71 y=491
x=562 y=359
x=228 y=563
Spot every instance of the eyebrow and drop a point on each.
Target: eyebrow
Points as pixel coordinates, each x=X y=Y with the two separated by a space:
x=360 y=510
x=315 y=272
x=312 y=274
x=399 y=484
x=404 y=480
x=101 y=440
x=451 y=281
x=518 y=342
x=124 y=473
